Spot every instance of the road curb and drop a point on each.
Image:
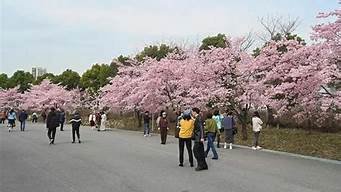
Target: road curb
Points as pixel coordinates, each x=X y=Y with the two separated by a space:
x=292 y=154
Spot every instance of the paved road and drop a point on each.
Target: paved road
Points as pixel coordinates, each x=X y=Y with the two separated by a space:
x=125 y=161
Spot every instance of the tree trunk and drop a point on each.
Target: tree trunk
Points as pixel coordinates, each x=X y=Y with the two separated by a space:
x=244 y=131
x=138 y=116
x=153 y=122
x=309 y=126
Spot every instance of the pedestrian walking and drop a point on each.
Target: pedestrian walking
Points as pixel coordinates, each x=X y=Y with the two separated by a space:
x=218 y=119
x=163 y=127
x=146 y=124
x=198 y=136
x=186 y=126
x=76 y=122
x=228 y=124
x=211 y=130
x=61 y=119
x=44 y=115
x=98 y=120
x=256 y=128
x=22 y=118
x=3 y=116
x=103 y=121
x=92 y=120
x=11 y=117
x=52 y=122
x=34 y=117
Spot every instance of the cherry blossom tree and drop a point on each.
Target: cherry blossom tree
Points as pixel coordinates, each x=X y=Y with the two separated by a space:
x=291 y=77
x=11 y=98
x=48 y=94
x=192 y=79
x=287 y=76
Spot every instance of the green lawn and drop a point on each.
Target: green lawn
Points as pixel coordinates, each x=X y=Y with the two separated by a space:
x=317 y=144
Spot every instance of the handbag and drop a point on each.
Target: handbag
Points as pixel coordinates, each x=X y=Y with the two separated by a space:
x=235 y=131
x=176 y=133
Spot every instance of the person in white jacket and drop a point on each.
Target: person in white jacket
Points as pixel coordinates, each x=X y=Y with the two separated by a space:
x=256 y=127
x=92 y=120
x=103 y=121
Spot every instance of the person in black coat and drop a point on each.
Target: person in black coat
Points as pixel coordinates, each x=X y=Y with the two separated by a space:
x=61 y=119
x=198 y=137
x=22 y=118
x=52 y=122
x=76 y=122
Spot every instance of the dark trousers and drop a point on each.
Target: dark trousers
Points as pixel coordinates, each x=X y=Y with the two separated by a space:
x=34 y=120
x=61 y=125
x=22 y=125
x=188 y=142
x=2 y=121
x=146 y=129
x=256 y=138
x=51 y=133
x=11 y=122
x=75 y=130
x=229 y=137
x=163 y=133
x=199 y=154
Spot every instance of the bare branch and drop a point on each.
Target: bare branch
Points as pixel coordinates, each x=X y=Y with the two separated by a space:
x=274 y=25
x=270 y=24
x=289 y=26
x=248 y=41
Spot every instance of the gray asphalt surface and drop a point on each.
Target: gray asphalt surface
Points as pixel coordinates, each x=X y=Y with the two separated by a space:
x=126 y=161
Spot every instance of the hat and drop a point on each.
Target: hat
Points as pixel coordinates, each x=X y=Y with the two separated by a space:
x=187 y=112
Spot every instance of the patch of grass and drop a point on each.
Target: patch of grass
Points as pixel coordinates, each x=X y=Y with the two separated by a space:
x=317 y=144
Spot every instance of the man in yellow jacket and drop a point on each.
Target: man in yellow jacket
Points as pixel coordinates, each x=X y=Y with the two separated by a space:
x=186 y=126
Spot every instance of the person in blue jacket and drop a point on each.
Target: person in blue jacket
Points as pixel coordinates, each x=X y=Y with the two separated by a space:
x=22 y=118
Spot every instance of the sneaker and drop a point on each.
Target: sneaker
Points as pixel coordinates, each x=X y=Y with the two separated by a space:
x=254 y=148
x=79 y=141
x=230 y=145
x=73 y=142
x=225 y=145
x=258 y=147
x=215 y=158
x=145 y=135
x=181 y=165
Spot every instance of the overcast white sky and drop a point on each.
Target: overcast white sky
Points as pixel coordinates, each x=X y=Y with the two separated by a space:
x=74 y=34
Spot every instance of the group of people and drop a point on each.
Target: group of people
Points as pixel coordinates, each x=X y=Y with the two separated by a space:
x=98 y=121
x=192 y=128
x=11 y=117
x=53 y=120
